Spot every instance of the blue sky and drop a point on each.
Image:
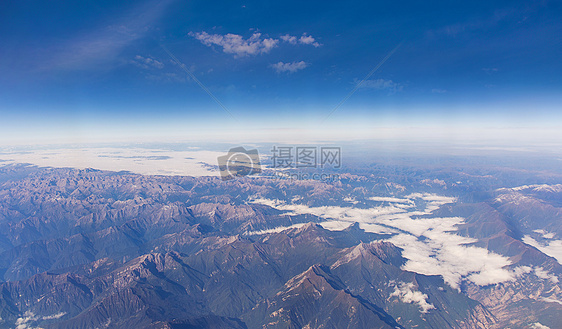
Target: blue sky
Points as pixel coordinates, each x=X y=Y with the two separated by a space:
x=85 y=68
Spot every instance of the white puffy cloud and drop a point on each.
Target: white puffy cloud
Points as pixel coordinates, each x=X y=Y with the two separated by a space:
x=303 y=39
x=541 y=273
x=308 y=40
x=350 y=200
x=538 y=325
x=289 y=67
x=289 y=38
x=407 y=293
x=521 y=270
x=236 y=44
x=26 y=320
x=446 y=254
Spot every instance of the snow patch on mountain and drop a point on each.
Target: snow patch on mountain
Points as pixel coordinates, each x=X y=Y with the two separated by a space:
x=538 y=325
x=556 y=188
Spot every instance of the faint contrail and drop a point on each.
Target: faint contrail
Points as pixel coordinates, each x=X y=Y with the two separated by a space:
x=361 y=82
x=182 y=66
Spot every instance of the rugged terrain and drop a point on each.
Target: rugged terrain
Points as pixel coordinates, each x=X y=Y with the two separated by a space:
x=94 y=249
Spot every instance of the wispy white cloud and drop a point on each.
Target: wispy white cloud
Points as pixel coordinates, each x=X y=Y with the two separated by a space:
x=545 y=234
x=107 y=42
x=552 y=248
x=389 y=199
x=551 y=300
x=26 y=320
x=275 y=230
x=236 y=44
x=54 y=316
x=474 y=24
x=147 y=62
x=166 y=77
x=137 y=160
x=429 y=244
x=489 y=70
x=438 y=91
x=541 y=273
x=407 y=293
x=29 y=319
x=289 y=67
x=381 y=84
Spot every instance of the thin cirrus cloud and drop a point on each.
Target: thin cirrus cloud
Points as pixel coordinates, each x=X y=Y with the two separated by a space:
x=474 y=24
x=107 y=42
x=147 y=62
x=381 y=84
x=289 y=67
x=254 y=45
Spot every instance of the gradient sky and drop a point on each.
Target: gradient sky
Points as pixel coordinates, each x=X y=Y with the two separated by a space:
x=84 y=68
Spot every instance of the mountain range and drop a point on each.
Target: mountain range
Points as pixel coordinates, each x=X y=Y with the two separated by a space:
x=97 y=249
